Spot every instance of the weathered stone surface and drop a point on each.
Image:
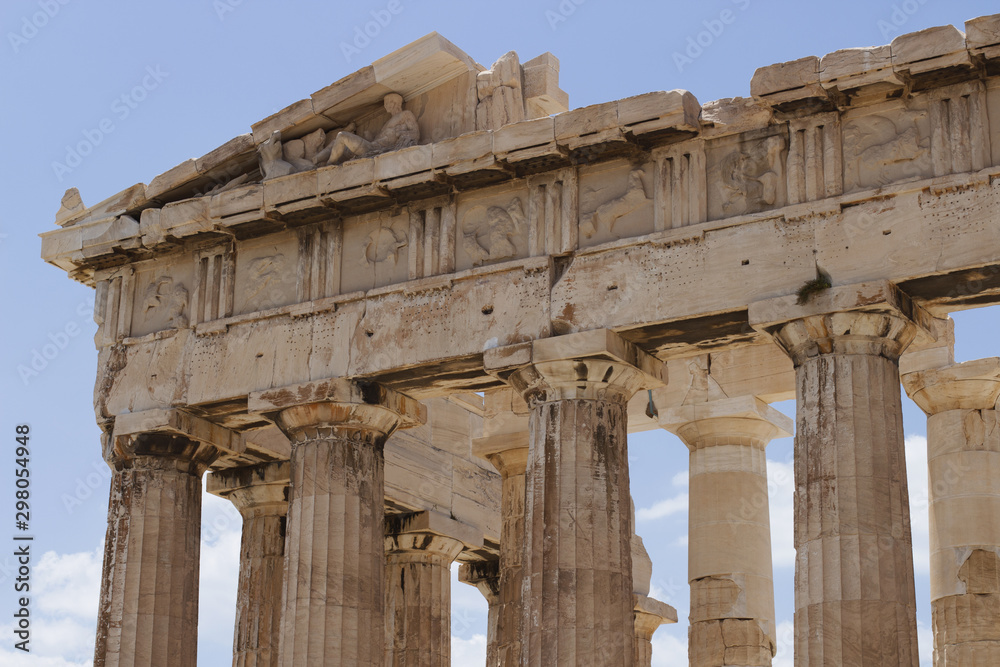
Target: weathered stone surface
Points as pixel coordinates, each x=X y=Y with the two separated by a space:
x=260 y=493
x=148 y=612
x=729 y=531
x=854 y=591
x=963 y=477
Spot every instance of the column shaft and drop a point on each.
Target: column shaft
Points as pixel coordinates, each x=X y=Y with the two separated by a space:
x=855 y=602
x=418 y=599
x=260 y=493
x=577 y=549
x=333 y=606
x=729 y=531
x=148 y=613
x=963 y=456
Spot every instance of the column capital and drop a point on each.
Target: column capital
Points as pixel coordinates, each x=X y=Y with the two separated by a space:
x=169 y=434
x=260 y=490
x=866 y=318
x=597 y=364
x=406 y=531
x=719 y=422
x=305 y=410
x=508 y=452
x=971 y=385
x=651 y=614
x=484 y=575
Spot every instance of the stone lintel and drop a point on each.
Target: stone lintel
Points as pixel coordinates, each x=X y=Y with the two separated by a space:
x=877 y=296
x=338 y=391
x=789 y=82
x=433 y=523
x=971 y=385
x=982 y=36
x=729 y=416
x=177 y=422
x=500 y=444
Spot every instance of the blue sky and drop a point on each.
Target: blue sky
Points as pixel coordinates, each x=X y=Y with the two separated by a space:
x=149 y=85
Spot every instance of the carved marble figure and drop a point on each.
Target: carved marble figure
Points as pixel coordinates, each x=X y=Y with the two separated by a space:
x=400 y=131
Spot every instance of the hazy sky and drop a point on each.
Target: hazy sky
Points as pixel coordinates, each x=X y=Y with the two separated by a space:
x=145 y=86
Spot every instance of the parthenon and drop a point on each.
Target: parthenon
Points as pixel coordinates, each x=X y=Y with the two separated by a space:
x=410 y=320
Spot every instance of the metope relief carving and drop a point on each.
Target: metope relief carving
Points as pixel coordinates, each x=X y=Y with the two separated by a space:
x=375 y=248
x=616 y=201
x=489 y=234
x=608 y=213
x=746 y=175
x=169 y=298
x=266 y=276
x=885 y=148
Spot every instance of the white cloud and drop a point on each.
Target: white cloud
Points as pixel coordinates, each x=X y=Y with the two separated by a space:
x=663 y=508
x=680 y=479
x=925 y=636
x=781 y=500
x=669 y=649
x=465 y=652
x=916 y=482
x=785 y=635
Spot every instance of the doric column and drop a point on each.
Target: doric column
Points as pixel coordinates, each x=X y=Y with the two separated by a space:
x=508 y=452
x=577 y=588
x=260 y=493
x=419 y=551
x=148 y=613
x=647 y=614
x=485 y=576
x=729 y=530
x=333 y=602
x=963 y=473
x=854 y=594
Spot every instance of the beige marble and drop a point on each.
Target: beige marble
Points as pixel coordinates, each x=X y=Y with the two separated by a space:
x=577 y=588
x=729 y=530
x=148 y=611
x=260 y=493
x=418 y=596
x=508 y=452
x=963 y=476
x=854 y=593
x=334 y=607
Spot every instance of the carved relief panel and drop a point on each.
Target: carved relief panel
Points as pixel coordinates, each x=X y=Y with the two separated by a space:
x=162 y=295
x=616 y=201
x=492 y=226
x=113 y=306
x=679 y=191
x=432 y=238
x=889 y=144
x=266 y=273
x=553 y=212
x=375 y=250
x=960 y=138
x=815 y=158
x=746 y=173
x=212 y=297
x=319 y=261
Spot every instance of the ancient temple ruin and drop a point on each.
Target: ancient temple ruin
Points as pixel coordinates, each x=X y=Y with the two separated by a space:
x=410 y=319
